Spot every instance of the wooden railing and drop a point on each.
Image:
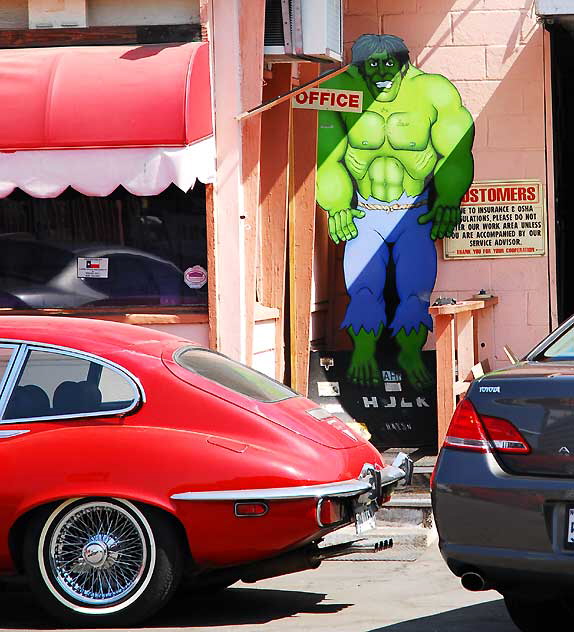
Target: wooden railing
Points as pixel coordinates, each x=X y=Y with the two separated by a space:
x=456 y=330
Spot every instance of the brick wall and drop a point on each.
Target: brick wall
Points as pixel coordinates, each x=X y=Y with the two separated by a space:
x=492 y=50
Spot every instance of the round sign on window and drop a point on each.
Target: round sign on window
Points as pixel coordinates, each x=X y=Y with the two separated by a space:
x=195 y=277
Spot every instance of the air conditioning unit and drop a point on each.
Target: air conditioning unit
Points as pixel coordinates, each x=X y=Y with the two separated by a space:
x=554 y=7
x=55 y=14
x=304 y=30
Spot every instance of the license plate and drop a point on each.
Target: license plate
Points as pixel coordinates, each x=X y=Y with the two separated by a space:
x=365 y=519
x=570 y=527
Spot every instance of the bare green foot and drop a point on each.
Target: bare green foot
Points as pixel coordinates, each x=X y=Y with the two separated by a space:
x=363 y=368
x=410 y=357
x=415 y=370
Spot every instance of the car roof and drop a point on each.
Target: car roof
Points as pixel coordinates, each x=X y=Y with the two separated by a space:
x=84 y=334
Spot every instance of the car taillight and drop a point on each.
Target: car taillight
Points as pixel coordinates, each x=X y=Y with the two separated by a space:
x=465 y=430
x=470 y=431
x=504 y=436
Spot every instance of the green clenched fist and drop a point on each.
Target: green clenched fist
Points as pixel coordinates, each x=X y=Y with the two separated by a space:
x=445 y=218
x=342 y=224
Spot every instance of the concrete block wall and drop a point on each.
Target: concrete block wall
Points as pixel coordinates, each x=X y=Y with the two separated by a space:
x=492 y=50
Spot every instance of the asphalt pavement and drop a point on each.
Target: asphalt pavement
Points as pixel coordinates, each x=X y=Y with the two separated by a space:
x=359 y=596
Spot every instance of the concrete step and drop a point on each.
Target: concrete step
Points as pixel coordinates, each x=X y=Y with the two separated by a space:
x=407 y=509
x=409 y=500
x=421 y=477
x=423 y=469
x=410 y=505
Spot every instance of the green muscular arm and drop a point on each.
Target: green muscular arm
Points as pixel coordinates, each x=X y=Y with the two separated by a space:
x=334 y=184
x=452 y=135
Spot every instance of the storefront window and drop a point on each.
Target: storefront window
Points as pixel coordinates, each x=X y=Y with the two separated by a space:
x=76 y=251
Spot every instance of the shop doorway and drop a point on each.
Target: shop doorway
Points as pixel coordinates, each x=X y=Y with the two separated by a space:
x=562 y=60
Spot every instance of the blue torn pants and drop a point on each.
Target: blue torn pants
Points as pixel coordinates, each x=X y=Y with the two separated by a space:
x=367 y=256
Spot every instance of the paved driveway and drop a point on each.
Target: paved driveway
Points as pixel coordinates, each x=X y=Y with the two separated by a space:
x=419 y=596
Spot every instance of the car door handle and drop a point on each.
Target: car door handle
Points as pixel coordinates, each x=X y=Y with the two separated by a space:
x=6 y=434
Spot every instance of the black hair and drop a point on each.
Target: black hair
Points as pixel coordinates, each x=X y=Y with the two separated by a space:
x=368 y=45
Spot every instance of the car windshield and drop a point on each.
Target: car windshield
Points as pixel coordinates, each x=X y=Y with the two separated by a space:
x=562 y=348
x=233 y=375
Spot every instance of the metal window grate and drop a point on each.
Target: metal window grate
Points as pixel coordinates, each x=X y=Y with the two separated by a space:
x=274 y=32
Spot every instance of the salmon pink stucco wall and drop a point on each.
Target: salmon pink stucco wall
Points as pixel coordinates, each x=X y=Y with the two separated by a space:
x=494 y=52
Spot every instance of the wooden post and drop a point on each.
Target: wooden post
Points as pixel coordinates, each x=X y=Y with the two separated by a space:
x=444 y=326
x=302 y=203
x=236 y=29
x=251 y=35
x=449 y=339
x=465 y=344
x=227 y=268
x=275 y=125
x=211 y=266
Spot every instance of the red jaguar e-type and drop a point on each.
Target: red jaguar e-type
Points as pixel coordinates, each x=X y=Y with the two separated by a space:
x=133 y=460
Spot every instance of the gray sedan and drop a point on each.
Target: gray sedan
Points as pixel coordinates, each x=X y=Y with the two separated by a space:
x=503 y=486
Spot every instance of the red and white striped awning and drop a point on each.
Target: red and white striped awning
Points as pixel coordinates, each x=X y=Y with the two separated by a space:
x=94 y=118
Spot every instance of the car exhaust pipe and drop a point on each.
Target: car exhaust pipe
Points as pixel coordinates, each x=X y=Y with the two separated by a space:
x=358 y=546
x=308 y=558
x=474 y=582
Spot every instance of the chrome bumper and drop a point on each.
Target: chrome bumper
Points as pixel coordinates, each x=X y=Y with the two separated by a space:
x=404 y=463
x=343 y=489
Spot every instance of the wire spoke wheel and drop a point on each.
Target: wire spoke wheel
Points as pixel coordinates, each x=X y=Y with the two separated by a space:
x=105 y=562
x=98 y=553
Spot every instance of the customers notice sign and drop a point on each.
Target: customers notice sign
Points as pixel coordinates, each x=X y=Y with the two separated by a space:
x=500 y=219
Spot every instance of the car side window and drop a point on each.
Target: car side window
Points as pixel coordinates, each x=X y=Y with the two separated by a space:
x=117 y=392
x=6 y=354
x=53 y=384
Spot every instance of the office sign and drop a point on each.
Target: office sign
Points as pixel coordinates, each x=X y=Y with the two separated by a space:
x=324 y=99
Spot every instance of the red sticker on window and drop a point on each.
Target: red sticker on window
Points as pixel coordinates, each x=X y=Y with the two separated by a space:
x=195 y=277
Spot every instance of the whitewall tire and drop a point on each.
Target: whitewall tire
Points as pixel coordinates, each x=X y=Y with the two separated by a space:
x=102 y=561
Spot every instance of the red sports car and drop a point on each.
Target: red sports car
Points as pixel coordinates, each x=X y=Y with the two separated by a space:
x=133 y=460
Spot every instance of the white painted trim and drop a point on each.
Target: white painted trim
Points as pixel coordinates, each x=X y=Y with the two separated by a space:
x=228 y=199
x=98 y=172
x=550 y=193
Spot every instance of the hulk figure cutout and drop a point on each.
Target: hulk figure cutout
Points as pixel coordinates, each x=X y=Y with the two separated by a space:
x=391 y=180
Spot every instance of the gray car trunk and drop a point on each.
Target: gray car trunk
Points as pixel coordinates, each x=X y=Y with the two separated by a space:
x=538 y=399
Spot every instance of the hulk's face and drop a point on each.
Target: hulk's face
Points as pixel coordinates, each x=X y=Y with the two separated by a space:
x=382 y=74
